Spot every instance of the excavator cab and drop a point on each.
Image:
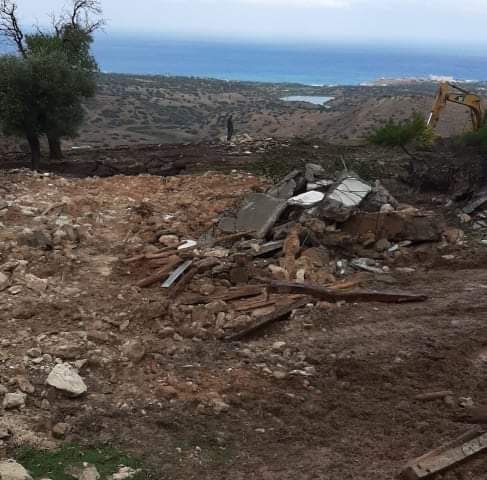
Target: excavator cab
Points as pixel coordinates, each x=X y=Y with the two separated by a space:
x=448 y=92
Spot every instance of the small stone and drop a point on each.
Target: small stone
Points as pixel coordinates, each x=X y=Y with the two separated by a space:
x=134 y=350
x=201 y=315
x=60 y=430
x=279 y=374
x=4 y=281
x=25 y=385
x=382 y=245
x=11 y=470
x=217 y=306
x=37 y=284
x=168 y=391
x=278 y=346
x=219 y=406
x=169 y=240
x=34 y=352
x=14 y=400
x=466 y=402
x=124 y=473
x=45 y=405
x=65 y=378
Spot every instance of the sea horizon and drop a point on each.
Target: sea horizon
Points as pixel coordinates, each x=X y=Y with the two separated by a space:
x=305 y=64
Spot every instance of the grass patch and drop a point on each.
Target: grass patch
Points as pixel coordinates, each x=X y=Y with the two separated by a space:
x=53 y=464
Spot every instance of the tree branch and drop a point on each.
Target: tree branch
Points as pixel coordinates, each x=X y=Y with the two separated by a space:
x=9 y=25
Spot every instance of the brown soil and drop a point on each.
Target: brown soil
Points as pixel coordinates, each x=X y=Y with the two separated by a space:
x=354 y=417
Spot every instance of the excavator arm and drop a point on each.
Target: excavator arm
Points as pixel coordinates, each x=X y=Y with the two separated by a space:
x=460 y=96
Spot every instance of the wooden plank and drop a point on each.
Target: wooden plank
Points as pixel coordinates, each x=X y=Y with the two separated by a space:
x=444 y=457
x=241 y=292
x=199 y=267
x=264 y=321
x=331 y=295
x=160 y=274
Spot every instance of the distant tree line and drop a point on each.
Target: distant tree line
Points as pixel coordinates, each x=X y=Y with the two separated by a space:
x=44 y=84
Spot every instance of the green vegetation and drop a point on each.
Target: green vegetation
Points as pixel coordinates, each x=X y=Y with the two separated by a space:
x=56 y=464
x=43 y=87
x=476 y=139
x=401 y=134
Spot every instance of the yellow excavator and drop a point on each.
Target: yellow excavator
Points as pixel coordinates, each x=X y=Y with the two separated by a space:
x=448 y=92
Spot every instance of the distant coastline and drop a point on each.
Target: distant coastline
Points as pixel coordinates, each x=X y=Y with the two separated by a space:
x=320 y=65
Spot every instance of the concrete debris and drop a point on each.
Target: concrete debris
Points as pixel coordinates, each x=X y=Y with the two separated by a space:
x=11 y=470
x=479 y=201
x=308 y=199
x=65 y=378
x=350 y=192
x=259 y=213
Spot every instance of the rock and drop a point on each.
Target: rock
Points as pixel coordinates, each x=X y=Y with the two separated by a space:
x=307 y=200
x=217 y=306
x=60 y=430
x=124 y=473
x=35 y=283
x=219 y=406
x=479 y=201
x=382 y=245
x=86 y=472
x=396 y=226
x=332 y=210
x=34 y=352
x=3 y=390
x=278 y=346
x=379 y=199
x=134 y=350
x=259 y=213
x=291 y=184
x=168 y=391
x=454 y=235
x=4 y=432
x=36 y=239
x=4 y=282
x=14 y=400
x=227 y=224
x=239 y=275
x=201 y=315
x=65 y=378
x=464 y=218
x=25 y=385
x=169 y=240
x=313 y=171
x=11 y=470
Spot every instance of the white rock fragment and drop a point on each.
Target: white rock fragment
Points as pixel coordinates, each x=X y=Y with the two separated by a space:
x=11 y=401
x=65 y=378
x=307 y=199
x=11 y=470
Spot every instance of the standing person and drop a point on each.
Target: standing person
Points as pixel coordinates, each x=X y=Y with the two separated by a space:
x=230 y=128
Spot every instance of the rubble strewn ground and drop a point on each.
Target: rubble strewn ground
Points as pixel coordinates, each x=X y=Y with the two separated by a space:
x=328 y=391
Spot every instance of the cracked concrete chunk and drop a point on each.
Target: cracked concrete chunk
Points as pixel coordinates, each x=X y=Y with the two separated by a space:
x=64 y=377
x=259 y=213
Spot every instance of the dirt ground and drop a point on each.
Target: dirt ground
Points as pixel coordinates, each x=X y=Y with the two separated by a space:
x=327 y=394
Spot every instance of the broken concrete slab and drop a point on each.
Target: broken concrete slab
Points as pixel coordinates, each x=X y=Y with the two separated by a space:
x=259 y=213
x=350 y=192
x=477 y=202
x=228 y=224
x=289 y=186
x=307 y=200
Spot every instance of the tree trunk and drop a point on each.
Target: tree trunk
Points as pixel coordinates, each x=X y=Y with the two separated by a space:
x=35 y=150
x=55 y=151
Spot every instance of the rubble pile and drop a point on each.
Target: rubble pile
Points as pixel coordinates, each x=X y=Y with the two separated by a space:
x=306 y=239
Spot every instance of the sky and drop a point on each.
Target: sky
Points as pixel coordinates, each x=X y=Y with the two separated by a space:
x=443 y=23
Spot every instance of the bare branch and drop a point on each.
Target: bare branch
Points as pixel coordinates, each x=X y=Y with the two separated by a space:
x=9 y=25
x=82 y=15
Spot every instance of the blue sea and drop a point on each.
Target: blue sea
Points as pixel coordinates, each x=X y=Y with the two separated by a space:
x=306 y=64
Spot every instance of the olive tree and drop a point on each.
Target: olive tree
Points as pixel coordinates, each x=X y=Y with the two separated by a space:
x=44 y=86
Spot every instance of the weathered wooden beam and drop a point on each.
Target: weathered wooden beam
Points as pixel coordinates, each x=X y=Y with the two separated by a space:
x=160 y=274
x=265 y=320
x=331 y=295
x=458 y=450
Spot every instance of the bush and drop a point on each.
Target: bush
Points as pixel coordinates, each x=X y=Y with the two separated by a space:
x=401 y=134
x=476 y=139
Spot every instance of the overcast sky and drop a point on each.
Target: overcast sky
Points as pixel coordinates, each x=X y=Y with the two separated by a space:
x=449 y=22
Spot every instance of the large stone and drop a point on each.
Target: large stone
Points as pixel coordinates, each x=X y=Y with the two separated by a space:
x=259 y=213
x=13 y=400
x=350 y=192
x=65 y=378
x=395 y=227
x=11 y=470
